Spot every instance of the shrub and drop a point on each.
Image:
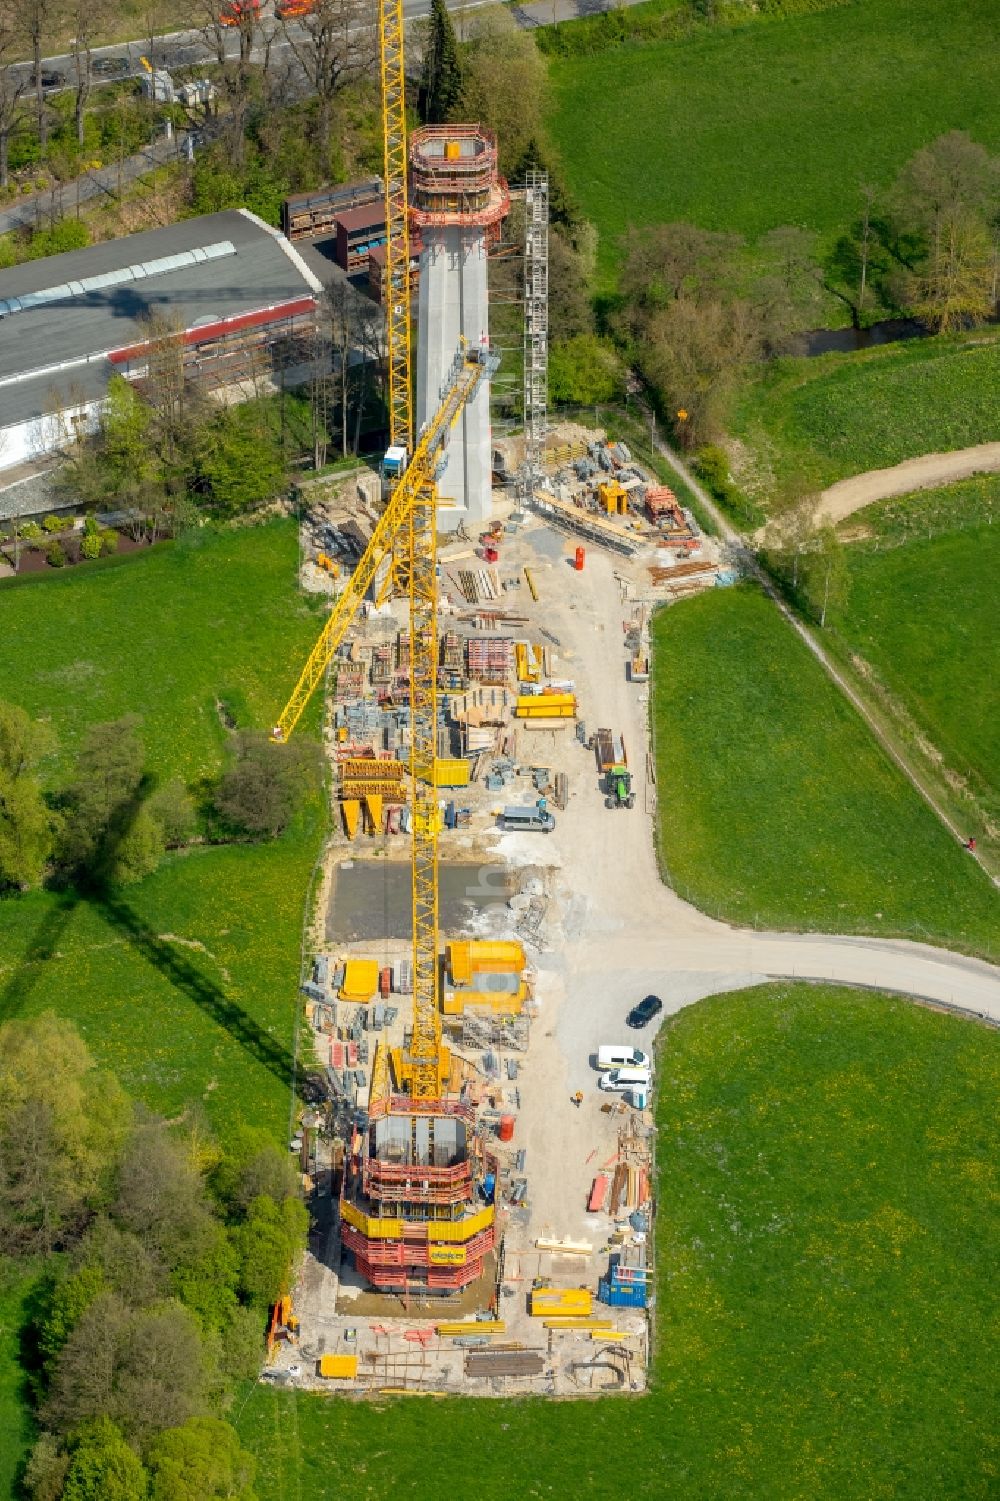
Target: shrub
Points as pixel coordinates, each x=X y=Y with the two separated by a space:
x=109 y=542
x=90 y=547
x=91 y=525
x=31 y=531
x=53 y=524
x=55 y=555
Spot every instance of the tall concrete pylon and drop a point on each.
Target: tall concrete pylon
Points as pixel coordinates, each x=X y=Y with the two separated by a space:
x=457 y=200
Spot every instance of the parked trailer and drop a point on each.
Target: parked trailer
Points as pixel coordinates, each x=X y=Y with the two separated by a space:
x=609 y=750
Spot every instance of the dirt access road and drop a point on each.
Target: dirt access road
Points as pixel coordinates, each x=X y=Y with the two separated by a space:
x=617 y=932
x=924 y=473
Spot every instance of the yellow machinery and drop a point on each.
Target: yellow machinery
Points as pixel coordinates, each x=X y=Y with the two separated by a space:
x=612 y=498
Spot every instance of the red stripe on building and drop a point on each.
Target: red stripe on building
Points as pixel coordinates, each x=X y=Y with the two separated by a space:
x=206 y=331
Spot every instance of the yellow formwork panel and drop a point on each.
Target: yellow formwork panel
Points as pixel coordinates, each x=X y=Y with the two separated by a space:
x=360 y=980
x=373 y=803
x=569 y=1302
x=471 y=1326
x=375 y=1229
x=604 y=1325
x=546 y=706
x=338 y=1367
x=464 y=1229
x=351 y=808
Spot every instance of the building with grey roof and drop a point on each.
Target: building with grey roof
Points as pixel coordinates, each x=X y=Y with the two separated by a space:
x=229 y=289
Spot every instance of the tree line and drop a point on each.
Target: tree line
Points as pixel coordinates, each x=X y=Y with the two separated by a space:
x=698 y=306
x=109 y=824
x=152 y=1253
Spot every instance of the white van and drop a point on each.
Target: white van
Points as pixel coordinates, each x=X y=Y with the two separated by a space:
x=621 y=1055
x=618 y=1080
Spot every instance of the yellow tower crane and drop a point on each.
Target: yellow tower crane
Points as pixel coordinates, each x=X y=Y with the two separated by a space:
x=410 y=516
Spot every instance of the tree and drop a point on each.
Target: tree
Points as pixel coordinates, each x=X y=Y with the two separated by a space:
x=692 y=352
x=45 y=1472
x=239 y=462
x=103 y=1467
x=24 y=741
x=173 y=809
x=103 y=803
x=25 y=822
x=145 y=1370
x=61 y=1123
x=333 y=44
x=824 y=574
x=584 y=370
x=253 y=1166
x=199 y=1461
x=39 y=18
x=88 y=18
x=258 y=795
x=160 y=1195
x=945 y=205
x=957 y=283
x=271 y=1238
x=503 y=80
x=13 y=83
x=25 y=833
x=441 y=84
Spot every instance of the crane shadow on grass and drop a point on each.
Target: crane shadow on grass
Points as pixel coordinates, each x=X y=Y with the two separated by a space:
x=93 y=889
x=192 y=983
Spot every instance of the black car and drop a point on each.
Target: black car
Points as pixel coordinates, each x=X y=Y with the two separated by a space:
x=50 y=78
x=110 y=67
x=645 y=1011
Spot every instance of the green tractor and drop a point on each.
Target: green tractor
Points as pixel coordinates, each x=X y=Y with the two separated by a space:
x=618 y=787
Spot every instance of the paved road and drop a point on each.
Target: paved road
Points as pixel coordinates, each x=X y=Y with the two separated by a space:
x=181 y=49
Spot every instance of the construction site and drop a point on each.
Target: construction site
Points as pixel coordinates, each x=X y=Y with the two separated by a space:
x=481 y=1173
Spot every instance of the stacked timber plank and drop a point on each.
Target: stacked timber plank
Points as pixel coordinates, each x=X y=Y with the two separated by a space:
x=487 y=1363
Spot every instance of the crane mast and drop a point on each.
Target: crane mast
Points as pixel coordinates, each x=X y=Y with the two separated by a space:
x=397 y=216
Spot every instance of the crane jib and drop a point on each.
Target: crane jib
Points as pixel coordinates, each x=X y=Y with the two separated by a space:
x=470 y=368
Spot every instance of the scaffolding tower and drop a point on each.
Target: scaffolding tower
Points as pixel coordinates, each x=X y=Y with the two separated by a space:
x=536 y=322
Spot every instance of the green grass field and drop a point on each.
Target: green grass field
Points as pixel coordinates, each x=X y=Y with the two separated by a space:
x=814 y=421
x=776 y=122
x=827 y=1229
x=925 y=613
x=167 y=635
x=185 y=985
x=780 y=809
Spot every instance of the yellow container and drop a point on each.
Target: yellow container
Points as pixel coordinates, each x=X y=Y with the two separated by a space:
x=448 y=773
x=452 y=151
x=360 y=980
x=338 y=1367
x=469 y=957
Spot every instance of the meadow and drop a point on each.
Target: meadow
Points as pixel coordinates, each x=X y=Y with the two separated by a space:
x=187 y=636
x=810 y=422
x=826 y=1230
x=922 y=610
x=185 y=985
x=781 y=809
x=748 y=127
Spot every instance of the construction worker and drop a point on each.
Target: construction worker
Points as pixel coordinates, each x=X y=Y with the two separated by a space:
x=970 y=845
x=577 y=1098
